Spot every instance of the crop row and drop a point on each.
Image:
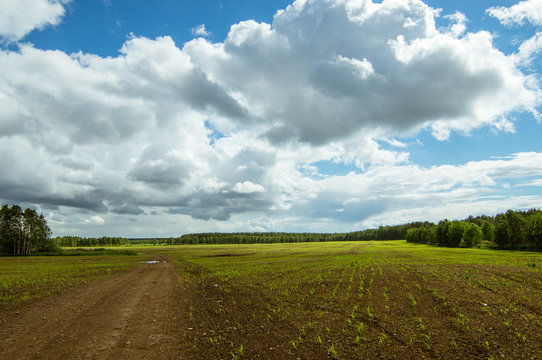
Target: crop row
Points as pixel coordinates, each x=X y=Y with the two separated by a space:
x=348 y=300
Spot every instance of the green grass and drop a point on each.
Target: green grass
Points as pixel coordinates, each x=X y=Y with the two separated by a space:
x=26 y=278
x=254 y=258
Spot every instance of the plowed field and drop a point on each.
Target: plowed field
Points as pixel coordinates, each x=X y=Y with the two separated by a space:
x=362 y=300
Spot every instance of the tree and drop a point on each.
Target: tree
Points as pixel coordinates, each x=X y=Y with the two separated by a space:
x=23 y=232
x=10 y=229
x=517 y=229
x=502 y=238
x=488 y=230
x=472 y=235
x=442 y=232
x=455 y=233
x=535 y=228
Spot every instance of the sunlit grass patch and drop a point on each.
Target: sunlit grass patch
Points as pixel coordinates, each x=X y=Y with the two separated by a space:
x=23 y=279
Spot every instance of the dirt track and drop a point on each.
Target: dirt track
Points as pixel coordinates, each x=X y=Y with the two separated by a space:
x=132 y=315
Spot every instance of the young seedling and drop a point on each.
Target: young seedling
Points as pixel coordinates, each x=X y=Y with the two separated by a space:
x=333 y=353
x=319 y=340
x=382 y=338
x=454 y=344
x=412 y=299
x=360 y=327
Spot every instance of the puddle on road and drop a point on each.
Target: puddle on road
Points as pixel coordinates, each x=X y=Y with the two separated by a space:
x=152 y=262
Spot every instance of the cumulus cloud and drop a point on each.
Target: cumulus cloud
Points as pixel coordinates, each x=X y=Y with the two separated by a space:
x=528 y=11
x=161 y=166
x=233 y=130
x=18 y=18
x=395 y=71
x=458 y=26
x=384 y=193
x=529 y=49
x=248 y=187
x=200 y=30
x=525 y=11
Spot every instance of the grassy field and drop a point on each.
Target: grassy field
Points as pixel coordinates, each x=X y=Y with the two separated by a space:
x=28 y=278
x=339 y=300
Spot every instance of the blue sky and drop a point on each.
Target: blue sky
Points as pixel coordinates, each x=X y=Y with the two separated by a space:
x=112 y=21
x=139 y=118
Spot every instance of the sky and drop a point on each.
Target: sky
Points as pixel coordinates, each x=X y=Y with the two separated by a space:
x=142 y=118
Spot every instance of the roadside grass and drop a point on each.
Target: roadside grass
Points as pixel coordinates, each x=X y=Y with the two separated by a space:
x=27 y=278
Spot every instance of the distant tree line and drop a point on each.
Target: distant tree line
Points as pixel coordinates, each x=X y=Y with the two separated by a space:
x=513 y=230
x=23 y=232
x=394 y=232
x=255 y=238
x=76 y=241
x=390 y=232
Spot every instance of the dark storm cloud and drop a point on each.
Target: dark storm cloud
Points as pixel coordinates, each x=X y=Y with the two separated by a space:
x=128 y=209
x=206 y=206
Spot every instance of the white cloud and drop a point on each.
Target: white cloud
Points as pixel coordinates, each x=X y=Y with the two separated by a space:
x=18 y=18
x=529 y=10
x=458 y=26
x=248 y=187
x=403 y=193
x=200 y=30
x=395 y=73
x=529 y=49
x=535 y=182
x=452 y=210
x=395 y=143
x=230 y=131
x=96 y=219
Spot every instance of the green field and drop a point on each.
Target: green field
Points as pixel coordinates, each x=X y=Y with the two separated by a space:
x=339 y=300
x=28 y=278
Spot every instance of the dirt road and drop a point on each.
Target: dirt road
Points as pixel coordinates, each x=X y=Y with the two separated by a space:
x=132 y=315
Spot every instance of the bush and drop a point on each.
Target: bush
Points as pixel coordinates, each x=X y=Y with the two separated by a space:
x=484 y=244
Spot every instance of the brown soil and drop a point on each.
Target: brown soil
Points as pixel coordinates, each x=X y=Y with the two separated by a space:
x=132 y=315
x=181 y=310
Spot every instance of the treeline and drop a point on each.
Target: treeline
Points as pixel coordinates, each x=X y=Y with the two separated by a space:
x=513 y=230
x=255 y=238
x=23 y=232
x=393 y=232
x=76 y=241
x=382 y=233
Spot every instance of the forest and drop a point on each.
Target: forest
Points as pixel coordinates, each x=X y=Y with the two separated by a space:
x=513 y=230
x=23 y=232
x=77 y=241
